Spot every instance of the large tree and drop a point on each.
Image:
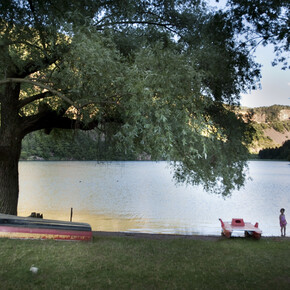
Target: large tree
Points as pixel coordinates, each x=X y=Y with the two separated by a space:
x=153 y=76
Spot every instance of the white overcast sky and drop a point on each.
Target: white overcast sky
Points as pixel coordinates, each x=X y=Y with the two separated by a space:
x=275 y=82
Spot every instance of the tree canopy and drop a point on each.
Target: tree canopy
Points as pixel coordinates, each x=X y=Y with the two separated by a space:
x=152 y=76
x=264 y=22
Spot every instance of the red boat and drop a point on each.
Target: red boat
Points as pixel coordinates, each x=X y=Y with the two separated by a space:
x=38 y=228
x=240 y=225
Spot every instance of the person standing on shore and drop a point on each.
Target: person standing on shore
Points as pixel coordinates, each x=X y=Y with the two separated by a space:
x=283 y=222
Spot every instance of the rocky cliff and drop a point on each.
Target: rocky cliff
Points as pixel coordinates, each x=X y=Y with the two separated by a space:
x=272 y=126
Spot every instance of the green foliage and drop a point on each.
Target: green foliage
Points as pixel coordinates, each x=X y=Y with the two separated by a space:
x=260 y=140
x=279 y=126
x=286 y=125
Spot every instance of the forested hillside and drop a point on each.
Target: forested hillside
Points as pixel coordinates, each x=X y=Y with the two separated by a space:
x=272 y=125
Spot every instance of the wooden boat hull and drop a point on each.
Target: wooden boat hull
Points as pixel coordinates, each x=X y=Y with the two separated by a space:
x=35 y=228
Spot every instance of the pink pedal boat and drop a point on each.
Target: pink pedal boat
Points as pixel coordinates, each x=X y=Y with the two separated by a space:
x=240 y=225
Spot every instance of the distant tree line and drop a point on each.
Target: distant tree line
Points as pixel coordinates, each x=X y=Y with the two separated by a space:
x=282 y=152
x=68 y=145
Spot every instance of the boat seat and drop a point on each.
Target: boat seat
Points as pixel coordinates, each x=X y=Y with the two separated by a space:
x=238 y=222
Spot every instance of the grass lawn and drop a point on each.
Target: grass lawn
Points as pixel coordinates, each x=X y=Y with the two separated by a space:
x=130 y=263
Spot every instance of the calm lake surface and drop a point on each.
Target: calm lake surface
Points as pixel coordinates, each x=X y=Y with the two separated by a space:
x=142 y=197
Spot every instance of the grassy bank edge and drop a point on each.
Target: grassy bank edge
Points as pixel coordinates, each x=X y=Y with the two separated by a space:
x=143 y=262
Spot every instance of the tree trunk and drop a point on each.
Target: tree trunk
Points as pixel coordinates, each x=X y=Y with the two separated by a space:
x=10 y=148
x=9 y=185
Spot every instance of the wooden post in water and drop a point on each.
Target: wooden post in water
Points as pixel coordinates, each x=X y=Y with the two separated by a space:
x=71 y=214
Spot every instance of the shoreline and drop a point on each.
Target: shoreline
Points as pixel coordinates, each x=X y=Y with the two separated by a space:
x=140 y=235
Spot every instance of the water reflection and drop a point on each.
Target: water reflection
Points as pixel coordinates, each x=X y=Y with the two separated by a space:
x=141 y=196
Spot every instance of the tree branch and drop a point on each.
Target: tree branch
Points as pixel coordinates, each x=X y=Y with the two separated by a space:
x=99 y=103
x=38 y=84
x=48 y=119
x=51 y=119
x=33 y=98
x=165 y=25
x=32 y=66
x=7 y=43
x=37 y=24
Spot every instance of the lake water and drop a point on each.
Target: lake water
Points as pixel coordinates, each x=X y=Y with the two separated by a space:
x=142 y=197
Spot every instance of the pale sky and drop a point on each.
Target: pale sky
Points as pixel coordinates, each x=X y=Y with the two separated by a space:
x=275 y=82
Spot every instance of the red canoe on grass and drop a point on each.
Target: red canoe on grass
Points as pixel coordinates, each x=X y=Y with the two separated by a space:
x=240 y=225
x=36 y=228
